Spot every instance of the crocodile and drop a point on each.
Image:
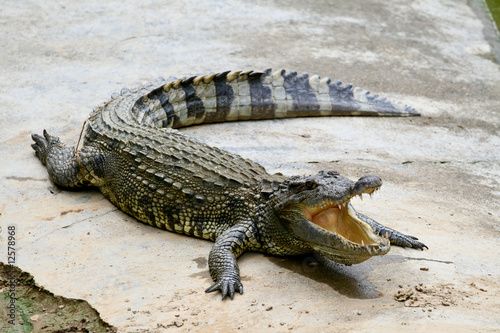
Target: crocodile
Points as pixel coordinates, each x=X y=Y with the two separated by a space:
x=133 y=152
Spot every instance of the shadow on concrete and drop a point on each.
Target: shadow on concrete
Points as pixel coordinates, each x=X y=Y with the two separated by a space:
x=350 y=281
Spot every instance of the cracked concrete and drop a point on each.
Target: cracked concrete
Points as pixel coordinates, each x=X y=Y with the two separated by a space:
x=440 y=171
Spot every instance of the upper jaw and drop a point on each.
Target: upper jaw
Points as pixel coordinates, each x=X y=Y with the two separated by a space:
x=365 y=185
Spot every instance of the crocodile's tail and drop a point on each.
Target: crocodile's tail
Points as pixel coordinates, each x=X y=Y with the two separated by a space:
x=231 y=96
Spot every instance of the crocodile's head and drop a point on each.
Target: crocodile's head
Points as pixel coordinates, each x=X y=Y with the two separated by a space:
x=316 y=211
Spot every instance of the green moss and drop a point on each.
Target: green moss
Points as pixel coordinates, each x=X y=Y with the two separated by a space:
x=494 y=7
x=39 y=310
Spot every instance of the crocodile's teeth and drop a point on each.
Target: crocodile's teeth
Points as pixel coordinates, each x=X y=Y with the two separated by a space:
x=198 y=79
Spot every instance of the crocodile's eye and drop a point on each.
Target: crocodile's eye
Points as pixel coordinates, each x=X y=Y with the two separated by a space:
x=310 y=185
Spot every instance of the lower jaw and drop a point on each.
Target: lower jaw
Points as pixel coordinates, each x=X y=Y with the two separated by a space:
x=344 y=223
x=351 y=256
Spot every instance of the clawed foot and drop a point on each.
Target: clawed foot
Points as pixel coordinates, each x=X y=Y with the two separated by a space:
x=42 y=144
x=227 y=285
x=409 y=241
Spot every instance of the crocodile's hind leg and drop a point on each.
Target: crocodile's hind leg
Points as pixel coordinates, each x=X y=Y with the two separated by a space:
x=61 y=161
x=395 y=237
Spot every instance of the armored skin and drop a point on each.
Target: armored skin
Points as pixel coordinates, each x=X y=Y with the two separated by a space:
x=143 y=165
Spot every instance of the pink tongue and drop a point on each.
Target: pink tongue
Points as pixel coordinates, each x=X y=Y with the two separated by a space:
x=327 y=219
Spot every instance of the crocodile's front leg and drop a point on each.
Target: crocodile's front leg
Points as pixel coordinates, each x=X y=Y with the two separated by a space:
x=222 y=259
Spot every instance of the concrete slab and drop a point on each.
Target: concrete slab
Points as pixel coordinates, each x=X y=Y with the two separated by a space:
x=440 y=171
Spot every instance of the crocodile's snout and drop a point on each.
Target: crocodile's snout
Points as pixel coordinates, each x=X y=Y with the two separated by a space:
x=367 y=184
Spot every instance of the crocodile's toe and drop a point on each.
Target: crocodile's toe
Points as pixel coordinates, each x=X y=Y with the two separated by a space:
x=227 y=286
x=40 y=146
x=410 y=241
x=415 y=244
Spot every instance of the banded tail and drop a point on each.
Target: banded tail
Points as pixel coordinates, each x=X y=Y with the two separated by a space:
x=231 y=96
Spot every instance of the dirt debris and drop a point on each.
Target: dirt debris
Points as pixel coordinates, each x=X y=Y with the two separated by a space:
x=430 y=296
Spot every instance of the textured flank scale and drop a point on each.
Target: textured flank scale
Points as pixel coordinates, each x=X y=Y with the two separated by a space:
x=143 y=165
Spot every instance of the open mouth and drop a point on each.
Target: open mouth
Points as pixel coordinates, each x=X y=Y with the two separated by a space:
x=343 y=221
